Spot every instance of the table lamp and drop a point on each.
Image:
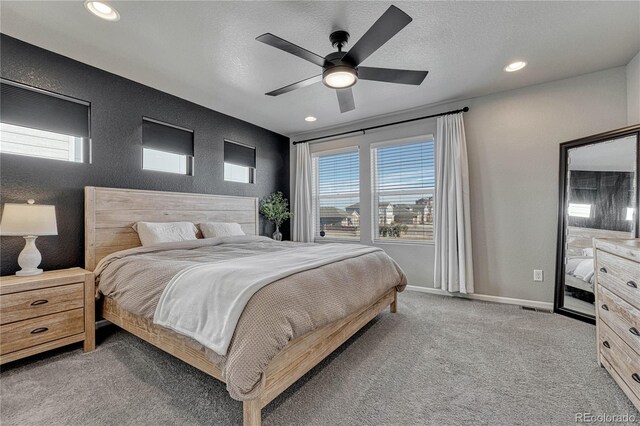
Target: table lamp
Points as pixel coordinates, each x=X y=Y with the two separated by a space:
x=29 y=221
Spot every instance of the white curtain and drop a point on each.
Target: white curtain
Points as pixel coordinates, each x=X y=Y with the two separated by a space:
x=303 y=217
x=453 y=263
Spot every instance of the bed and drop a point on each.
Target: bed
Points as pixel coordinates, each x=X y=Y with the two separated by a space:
x=579 y=265
x=109 y=215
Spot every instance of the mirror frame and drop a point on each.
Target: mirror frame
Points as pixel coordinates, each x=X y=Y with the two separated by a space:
x=558 y=303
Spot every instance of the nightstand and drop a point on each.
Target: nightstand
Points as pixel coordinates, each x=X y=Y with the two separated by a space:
x=46 y=311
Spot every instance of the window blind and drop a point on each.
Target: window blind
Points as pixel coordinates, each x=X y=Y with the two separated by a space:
x=35 y=109
x=167 y=138
x=239 y=154
x=404 y=187
x=337 y=194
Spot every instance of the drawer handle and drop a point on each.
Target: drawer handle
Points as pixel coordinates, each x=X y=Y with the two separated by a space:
x=605 y=307
x=632 y=284
x=603 y=270
x=39 y=330
x=634 y=331
x=606 y=344
x=636 y=377
x=39 y=302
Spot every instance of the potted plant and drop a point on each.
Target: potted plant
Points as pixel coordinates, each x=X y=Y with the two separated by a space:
x=275 y=208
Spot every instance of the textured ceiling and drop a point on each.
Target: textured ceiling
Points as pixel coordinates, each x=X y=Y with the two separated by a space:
x=205 y=51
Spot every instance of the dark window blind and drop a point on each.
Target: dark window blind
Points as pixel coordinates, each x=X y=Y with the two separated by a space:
x=240 y=155
x=33 y=109
x=167 y=138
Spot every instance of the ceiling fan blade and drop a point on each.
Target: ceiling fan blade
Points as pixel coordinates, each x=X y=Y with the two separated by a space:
x=388 y=25
x=302 y=83
x=345 y=99
x=289 y=47
x=392 y=76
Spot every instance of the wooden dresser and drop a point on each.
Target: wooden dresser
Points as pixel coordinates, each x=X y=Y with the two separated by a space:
x=46 y=311
x=617 y=272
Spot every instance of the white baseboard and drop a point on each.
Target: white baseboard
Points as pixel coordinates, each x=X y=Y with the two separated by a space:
x=544 y=306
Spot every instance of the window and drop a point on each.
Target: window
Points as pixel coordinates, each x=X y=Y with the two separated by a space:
x=404 y=188
x=41 y=124
x=579 y=210
x=239 y=162
x=40 y=143
x=234 y=173
x=336 y=193
x=166 y=148
x=630 y=213
x=164 y=161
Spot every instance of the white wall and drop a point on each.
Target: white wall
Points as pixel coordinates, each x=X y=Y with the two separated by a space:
x=512 y=140
x=633 y=91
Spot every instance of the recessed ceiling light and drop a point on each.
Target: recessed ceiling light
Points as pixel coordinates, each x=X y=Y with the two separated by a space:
x=310 y=118
x=515 y=66
x=102 y=10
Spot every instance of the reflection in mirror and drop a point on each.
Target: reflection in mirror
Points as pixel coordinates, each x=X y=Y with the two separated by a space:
x=601 y=188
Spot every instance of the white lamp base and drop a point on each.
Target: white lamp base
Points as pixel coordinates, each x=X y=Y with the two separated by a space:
x=29 y=258
x=24 y=273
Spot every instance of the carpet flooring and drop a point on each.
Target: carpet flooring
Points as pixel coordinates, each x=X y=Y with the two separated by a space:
x=439 y=361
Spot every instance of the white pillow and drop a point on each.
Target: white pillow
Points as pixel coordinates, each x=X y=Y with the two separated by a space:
x=572 y=264
x=588 y=252
x=584 y=271
x=220 y=229
x=154 y=233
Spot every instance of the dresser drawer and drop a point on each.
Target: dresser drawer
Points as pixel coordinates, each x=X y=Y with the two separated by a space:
x=31 y=332
x=624 y=360
x=620 y=316
x=620 y=275
x=36 y=303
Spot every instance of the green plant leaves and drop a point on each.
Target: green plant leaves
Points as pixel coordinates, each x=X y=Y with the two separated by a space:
x=275 y=208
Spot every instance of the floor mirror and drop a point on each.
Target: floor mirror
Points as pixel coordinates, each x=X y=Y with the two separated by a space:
x=598 y=198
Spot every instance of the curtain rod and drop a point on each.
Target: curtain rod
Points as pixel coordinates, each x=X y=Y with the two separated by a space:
x=465 y=109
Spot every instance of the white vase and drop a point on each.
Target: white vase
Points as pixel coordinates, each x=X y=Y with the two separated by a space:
x=277 y=235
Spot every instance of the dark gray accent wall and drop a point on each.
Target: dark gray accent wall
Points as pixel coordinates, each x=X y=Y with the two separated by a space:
x=117 y=108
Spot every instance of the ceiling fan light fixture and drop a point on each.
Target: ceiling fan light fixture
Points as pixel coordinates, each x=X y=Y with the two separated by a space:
x=310 y=118
x=339 y=77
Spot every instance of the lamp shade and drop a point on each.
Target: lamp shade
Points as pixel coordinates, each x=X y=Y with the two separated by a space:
x=28 y=219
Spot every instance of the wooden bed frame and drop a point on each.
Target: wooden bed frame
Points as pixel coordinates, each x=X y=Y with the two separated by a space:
x=582 y=238
x=109 y=214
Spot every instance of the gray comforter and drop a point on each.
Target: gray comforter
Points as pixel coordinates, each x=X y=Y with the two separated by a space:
x=286 y=309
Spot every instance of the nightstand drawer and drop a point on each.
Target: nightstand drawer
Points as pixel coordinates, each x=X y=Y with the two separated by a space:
x=620 y=275
x=32 y=332
x=35 y=303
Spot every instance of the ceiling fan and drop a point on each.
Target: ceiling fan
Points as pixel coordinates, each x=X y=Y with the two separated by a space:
x=341 y=70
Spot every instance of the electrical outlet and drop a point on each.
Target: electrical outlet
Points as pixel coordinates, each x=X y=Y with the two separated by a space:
x=538 y=275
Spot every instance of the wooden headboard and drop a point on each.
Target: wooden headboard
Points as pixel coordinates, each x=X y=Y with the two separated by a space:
x=109 y=214
x=581 y=238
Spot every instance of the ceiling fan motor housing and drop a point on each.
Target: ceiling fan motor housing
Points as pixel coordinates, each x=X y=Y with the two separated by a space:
x=339 y=39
